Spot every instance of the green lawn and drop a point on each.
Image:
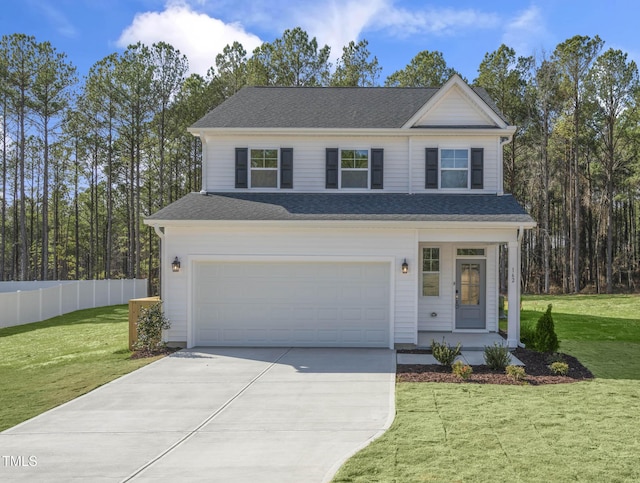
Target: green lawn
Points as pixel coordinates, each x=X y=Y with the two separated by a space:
x=602 y=331
x=45 y=364
x=584 y=431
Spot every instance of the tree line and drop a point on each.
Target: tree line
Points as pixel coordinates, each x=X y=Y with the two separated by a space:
x=84 y=160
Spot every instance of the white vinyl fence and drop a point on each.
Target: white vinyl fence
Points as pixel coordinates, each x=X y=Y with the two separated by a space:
x=25 y=302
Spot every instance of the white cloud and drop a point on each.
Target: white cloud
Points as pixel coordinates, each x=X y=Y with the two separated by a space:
x=435 y=21
x=197 y=35
x=336 y=22
x=526 y=32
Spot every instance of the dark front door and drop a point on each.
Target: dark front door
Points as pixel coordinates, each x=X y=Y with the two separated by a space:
x=470 y=294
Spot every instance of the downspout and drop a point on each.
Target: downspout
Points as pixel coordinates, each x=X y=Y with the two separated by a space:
x=160 y=232
x=203 y=164
x=503 y=140
x=410 y=165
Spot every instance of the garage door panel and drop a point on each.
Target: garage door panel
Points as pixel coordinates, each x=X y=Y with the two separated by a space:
x=298 y=304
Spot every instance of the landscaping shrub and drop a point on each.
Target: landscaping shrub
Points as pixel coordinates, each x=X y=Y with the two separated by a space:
x=528 y=336
x=559 y=368
x=462 y=370
x=497 y=357
x=444 y=353
x=546 y=339
x=555 y=357
x=517 y=373
x=149 y=327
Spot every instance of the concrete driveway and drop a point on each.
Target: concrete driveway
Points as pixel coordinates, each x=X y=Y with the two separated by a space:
x=231 y=415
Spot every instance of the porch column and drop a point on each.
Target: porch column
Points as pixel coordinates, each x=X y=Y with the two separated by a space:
x=513 y=295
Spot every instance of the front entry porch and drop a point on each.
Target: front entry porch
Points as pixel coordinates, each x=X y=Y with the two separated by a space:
x=469 y=341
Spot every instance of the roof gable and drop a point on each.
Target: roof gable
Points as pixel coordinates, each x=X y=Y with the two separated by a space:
x=354 y=108
x=457 y=104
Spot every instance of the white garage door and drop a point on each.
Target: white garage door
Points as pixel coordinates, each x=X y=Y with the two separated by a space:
x=291 y=304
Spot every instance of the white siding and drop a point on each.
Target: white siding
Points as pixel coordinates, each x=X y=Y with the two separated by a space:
x=308 y=158
x=442 y=305
x=410 y=310
x=488 y=143
x=281 y=243
x=455 y=109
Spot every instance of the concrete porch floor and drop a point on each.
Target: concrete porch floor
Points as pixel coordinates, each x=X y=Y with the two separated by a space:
x=468 y=341
x=472 y=347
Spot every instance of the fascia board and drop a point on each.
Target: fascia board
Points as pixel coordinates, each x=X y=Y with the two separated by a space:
x=343 y=224
x=398 y=132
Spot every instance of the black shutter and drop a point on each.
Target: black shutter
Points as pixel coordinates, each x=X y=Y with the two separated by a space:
x=286 y=168
x=242 y=159
x=431 y=168
x=477 y=168
x=377 y=169
x=332 y=168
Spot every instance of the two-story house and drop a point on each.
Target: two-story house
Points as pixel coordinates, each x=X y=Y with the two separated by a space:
x=354 y=217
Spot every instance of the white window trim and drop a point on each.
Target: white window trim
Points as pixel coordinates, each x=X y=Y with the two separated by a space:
x=277 y=168
x=422 y=272
x=459 y=148
x=368 y=169
x=470 y=257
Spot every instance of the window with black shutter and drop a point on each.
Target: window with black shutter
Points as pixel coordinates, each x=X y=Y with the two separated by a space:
x=331 y=175
x=242 y=170
x=477 y=168
x=431 y=168
x=377 y=169
x=286 y=168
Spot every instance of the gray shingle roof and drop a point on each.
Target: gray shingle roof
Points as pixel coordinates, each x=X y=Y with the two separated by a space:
x=345 y=206
x=322 y=107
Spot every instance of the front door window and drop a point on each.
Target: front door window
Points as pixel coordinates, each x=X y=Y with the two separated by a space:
x=470 y=294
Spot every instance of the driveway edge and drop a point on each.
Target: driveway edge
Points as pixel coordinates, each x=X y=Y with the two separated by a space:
x=390 y=418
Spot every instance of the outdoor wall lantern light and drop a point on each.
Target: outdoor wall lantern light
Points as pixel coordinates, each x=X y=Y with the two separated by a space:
x=405 y=266
x=175 y=265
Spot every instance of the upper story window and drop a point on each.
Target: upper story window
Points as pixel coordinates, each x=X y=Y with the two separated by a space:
x=264 y=168
x=454 y=168
x=354 y=168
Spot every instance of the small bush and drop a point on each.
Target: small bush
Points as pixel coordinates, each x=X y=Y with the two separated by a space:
x=555 y=357
x=462 y=370
x=559 y=368
x=497 y=357
x=444 y=353
x=149 y=327
x=546 y=338
x=516 y=373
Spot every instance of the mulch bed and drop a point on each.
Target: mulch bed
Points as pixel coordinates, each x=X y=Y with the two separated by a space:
x=165 y=351
x=535 y=363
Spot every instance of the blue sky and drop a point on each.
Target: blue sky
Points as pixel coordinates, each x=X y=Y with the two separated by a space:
x=464 y=31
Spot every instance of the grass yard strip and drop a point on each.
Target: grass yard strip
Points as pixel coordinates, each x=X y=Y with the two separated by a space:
x=602 y=331
x=588 y=317
x=45 y=364
x=585 y=431
x=448 y=432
